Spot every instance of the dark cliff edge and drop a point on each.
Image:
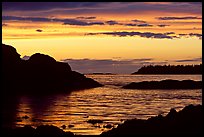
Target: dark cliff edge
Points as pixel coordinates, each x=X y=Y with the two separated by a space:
x=187 y=122
x=170 y=69
x=41 y=74
x=165 y=84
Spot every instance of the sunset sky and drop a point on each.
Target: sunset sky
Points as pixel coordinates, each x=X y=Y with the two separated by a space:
x=117 y=37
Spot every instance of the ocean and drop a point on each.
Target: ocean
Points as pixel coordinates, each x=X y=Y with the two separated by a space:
x=110 y=103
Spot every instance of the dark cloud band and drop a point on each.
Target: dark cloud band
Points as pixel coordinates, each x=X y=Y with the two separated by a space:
x=178 y=18
x=192 y=35
x=138 y=25
x=141 y=34
x=162 y=25
x=139 y=21
x=65 y=21
x=190 y=60
x=102 y=7
x=88 y=18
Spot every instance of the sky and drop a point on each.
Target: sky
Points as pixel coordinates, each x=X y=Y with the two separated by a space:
x=113 y=37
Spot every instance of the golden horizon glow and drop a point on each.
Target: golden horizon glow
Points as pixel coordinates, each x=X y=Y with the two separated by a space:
x=73 y=41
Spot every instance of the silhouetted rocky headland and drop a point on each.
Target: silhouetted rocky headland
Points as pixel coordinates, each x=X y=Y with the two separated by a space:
x=165 y=84
x=187 y=122
x=170 y=69
x=41 y=74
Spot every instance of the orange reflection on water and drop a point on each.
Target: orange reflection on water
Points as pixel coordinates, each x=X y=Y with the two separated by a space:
x=110 y=103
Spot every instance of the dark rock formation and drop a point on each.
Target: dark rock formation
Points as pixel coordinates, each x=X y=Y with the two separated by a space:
x=170 y=69
x=41 y=74
x=187 y=122
x=40 y=131
x=165 y=84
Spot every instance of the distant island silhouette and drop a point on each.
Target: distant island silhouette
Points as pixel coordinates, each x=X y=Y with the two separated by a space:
x=165 y=84
x=170 y=69
x=41 y=74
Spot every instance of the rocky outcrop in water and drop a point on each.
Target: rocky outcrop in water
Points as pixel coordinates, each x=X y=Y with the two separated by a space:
x=41 y=74
x=165 y=84
x=187 y=122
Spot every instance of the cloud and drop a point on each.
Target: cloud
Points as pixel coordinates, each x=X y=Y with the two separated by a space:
x=183 y=34
x=75 y=22
x=178 y=18
x=96 y=23
x=189 y=60
x=144 y=25
x=192 y=35
x=141 y=34
x=87 y=8
x=169 y=33
x=130 y=24
x=123 y=66
x=196 y=35
x=81 y=23
x=162 y=25
x=39 y=30
x=111 y=22
x=138 y=21
x=46 y=6
x=120 y=66
x=138 y=25
x=41 y=19
x=38 y=19
x=86 y=17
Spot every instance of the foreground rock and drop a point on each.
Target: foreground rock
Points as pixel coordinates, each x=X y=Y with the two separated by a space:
x=187 y=122
x=41 y=74
x=40 y=131
x=165 y=84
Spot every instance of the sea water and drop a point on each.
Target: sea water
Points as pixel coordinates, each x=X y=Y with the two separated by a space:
x=110 y=103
